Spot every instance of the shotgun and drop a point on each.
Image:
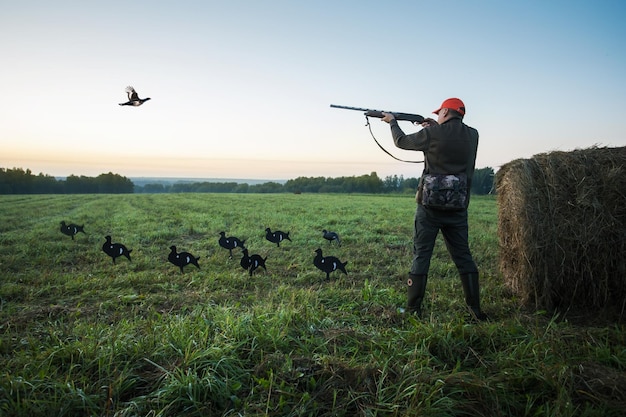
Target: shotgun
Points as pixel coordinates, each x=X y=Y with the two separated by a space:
x=415 y=118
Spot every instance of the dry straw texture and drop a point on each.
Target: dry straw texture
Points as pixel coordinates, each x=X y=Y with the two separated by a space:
x=562 y=229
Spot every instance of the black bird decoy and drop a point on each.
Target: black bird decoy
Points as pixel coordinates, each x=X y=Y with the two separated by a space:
x=182 y=259
x=133 y=98
x=328 y=264
x=71 y=229
x=277 y=236
x=230 y=243
x=115 y=249
x=245 y=259
x=252 y=262
x=330 y=236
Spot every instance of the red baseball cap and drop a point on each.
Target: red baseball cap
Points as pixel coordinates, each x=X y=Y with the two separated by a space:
x=453 y=104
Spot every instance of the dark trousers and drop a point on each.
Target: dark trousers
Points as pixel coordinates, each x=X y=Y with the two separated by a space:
x=453 y=226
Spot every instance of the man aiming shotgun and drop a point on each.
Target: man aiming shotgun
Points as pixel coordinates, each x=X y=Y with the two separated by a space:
x=449 y=148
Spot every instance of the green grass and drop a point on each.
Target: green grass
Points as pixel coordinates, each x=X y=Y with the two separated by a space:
x=81 y=336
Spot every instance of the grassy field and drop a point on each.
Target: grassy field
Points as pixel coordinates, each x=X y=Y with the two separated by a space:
x=80 y=336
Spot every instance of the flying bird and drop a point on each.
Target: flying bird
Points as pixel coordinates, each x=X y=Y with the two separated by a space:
x=115 y=249
x=133 y=98
x=328 y=264
x=230 y=242
x=182 y=259
x=330 y=236
x=277 y=236
x=71 y=229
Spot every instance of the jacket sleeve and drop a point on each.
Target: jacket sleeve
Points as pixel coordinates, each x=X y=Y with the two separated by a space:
x=417 y=141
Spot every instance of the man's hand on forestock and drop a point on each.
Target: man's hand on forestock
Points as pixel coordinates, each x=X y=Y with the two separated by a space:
x=388 y=117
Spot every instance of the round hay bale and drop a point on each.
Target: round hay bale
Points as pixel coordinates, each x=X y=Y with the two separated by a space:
x=562 y=229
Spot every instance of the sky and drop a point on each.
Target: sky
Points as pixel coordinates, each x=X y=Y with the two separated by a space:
x=242 y=89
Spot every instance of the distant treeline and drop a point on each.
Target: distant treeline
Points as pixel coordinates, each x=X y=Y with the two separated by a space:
x=18 y=181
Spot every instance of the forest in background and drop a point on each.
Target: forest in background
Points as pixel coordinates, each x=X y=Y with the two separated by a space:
x=20 y=181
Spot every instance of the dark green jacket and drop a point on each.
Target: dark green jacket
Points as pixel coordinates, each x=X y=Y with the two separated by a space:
x=449 y=148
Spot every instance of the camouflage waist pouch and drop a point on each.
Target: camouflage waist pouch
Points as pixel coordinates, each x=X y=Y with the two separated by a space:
x=444 y=191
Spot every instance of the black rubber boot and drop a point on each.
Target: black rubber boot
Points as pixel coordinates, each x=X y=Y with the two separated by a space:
x=416 y=290
x=471 y=289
